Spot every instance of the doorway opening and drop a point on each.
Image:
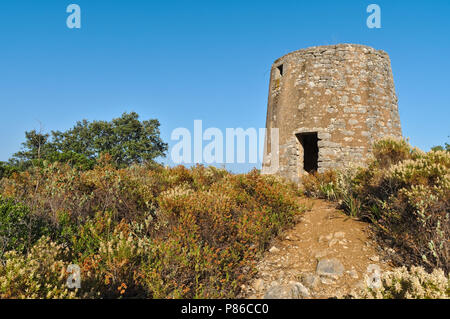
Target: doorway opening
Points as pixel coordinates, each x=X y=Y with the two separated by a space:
x=309 y=142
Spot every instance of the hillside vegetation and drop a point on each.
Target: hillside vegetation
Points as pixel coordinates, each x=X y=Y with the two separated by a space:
x=136 y=232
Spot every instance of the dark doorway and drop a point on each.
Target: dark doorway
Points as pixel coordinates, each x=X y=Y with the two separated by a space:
x=310 y=151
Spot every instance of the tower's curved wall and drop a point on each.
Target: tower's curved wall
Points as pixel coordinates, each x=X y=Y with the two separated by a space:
x=342 y=95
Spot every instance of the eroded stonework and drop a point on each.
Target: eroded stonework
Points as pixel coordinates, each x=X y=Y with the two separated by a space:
x=330 y=104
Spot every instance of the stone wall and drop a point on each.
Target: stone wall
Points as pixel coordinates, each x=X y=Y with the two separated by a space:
x=343 y=92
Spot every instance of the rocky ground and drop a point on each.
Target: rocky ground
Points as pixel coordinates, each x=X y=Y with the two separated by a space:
x=325 y=255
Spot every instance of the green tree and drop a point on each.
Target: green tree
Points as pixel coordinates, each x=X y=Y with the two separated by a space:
x=127 y=139
x=441 y=148
x=36 y=146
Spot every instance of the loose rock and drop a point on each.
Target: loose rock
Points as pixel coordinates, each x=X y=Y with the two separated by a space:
x=293 y=290
x=353 y=274
x=310 y=280
x=339 y=235
x=258 y=284
x=330 y=267
x=274 y=249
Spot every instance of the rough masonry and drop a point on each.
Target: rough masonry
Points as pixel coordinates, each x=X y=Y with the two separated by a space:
x=330 y=104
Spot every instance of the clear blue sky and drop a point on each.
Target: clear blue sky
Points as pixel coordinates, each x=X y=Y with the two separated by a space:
x=178 y=61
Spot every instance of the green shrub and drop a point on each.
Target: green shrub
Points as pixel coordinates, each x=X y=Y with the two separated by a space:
x=19 y=229
x=388 y=152
x=410 y=196
x=419 y=204
x=334 y=186
x=320 y=185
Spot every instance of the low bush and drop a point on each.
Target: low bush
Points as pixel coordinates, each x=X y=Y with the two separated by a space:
x=6 y=169
x=19 y=229
x=415 y=283
x=40 y=274
x=320 y=185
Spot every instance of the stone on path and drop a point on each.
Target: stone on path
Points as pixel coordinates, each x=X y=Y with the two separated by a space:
x=327 y=281
x=339 y=235
x=274 y=249
x=330 y=267
x=259 y=284
x=310 y=280
x=293 y=290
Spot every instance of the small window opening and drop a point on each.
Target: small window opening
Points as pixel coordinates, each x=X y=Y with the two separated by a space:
x=280 y=70
x=278 y=75
x=309 y=142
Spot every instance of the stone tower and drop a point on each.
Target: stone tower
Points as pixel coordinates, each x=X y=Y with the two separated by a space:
x=329 y=103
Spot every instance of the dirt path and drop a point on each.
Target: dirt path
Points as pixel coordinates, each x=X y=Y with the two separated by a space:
x=326 y=252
